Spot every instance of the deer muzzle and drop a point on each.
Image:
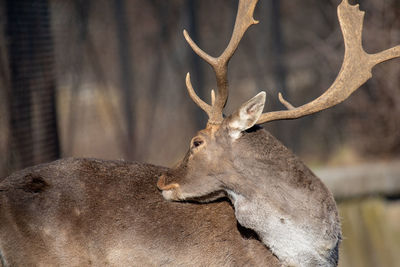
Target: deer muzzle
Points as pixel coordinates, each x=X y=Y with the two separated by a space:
x=170 y=191
x=163 y=185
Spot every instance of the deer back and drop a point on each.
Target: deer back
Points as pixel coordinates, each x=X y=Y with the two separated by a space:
x=82 y=212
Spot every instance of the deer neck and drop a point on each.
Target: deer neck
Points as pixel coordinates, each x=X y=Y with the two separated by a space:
x=287 y=216
x=292 y=242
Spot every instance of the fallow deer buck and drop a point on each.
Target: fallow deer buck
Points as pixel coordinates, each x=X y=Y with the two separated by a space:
x=81 y=212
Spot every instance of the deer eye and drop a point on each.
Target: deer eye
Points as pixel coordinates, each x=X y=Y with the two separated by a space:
x=197 y=142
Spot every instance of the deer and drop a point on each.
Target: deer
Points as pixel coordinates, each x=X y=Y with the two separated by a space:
x=238 y=198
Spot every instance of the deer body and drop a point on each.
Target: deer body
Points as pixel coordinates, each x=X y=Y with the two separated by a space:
x=82 y=212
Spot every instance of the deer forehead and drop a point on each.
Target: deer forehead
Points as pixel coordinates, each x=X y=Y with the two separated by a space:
x=210 y=131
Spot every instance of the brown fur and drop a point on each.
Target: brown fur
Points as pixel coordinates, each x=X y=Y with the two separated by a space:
x=86 y=212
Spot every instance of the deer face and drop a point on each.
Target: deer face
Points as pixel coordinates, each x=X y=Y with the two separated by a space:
x=208 y=164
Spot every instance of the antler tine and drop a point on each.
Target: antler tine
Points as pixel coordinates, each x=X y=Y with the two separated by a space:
x=196 y=99
x=244 y=19
x=355 y=71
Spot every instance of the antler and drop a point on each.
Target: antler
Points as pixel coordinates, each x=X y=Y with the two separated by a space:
x=244 y=19
x=355 y=71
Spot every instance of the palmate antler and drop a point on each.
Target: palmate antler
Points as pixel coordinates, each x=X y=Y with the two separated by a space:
x=355 y=70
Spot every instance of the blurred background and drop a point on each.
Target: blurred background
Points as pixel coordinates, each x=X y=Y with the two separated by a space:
x=105 y=79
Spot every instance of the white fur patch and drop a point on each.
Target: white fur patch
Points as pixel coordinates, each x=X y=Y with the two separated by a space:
x=167 y=194
x=291 y=243
x=235 y=135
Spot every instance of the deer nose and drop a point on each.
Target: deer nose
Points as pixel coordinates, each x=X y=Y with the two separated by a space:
x=162 y=184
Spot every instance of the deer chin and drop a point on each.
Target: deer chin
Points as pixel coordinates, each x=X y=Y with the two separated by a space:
x=170 y=191
x=173 y=194
x=206 y=198
x=176 y=192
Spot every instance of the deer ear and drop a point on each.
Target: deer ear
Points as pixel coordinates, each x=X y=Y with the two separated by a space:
x=246 y=116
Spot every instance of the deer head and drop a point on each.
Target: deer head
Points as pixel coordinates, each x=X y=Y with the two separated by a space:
x=209 y=149
x=272 y=191
x=197 y=174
